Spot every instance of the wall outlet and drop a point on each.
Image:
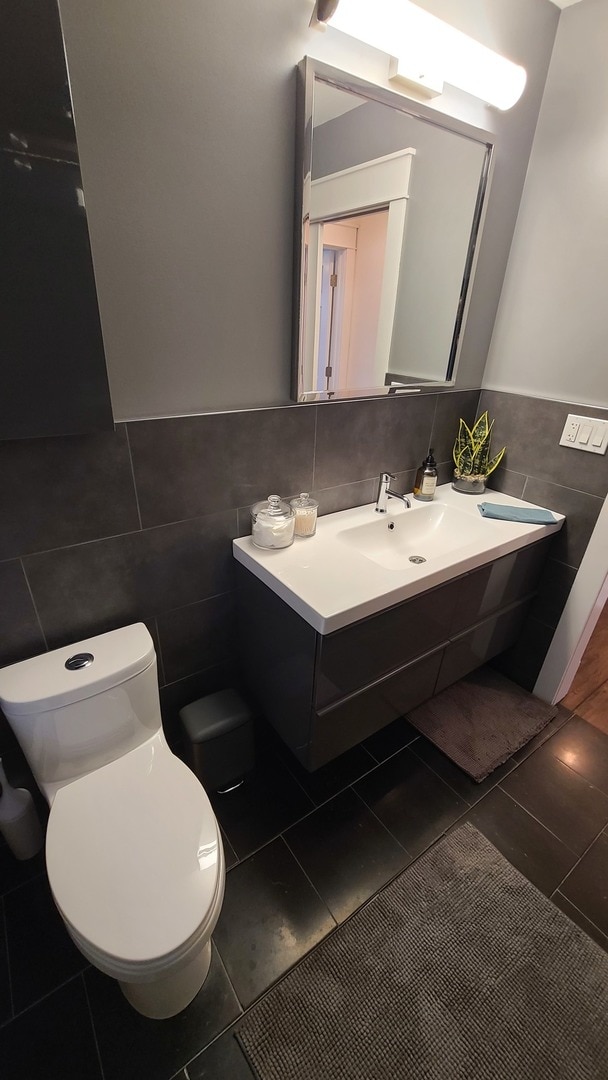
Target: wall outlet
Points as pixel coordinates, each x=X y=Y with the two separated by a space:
x=570 y=430
x=585 y=433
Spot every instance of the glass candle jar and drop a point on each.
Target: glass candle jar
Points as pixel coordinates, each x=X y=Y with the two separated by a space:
x=272 y=523
x=305 y=510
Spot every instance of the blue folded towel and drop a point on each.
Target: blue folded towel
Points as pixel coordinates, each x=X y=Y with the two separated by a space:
x=516 y=513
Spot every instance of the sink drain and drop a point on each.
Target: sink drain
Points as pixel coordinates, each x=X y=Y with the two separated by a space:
x=417 y=558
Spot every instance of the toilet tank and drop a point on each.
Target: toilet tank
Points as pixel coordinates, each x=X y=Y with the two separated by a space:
x=77 y=708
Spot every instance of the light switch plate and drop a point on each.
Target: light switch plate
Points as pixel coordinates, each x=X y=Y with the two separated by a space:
x=585 y=433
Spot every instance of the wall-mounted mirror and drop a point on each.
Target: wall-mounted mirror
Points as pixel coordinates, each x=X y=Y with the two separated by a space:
x=391 y=203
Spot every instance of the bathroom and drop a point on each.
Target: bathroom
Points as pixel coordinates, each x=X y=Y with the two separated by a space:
x=102 y=530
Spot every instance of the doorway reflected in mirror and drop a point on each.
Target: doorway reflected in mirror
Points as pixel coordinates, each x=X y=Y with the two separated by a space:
x=392 y=204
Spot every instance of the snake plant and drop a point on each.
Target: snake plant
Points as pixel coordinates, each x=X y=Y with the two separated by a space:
x=472 y=450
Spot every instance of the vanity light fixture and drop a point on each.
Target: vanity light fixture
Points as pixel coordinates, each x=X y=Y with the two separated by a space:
x=430 y=52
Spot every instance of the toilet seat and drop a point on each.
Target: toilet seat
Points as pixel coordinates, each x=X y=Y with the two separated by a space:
x=135 y=861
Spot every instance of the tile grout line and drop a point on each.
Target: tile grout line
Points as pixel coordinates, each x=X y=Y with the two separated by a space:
x=381 y=823
x=22 y=884
x=129 y=532
x=578 y=862
x=93 y=1029
x=8 y=962
x=336 y=928
x=315 y=806
x=161 y=662
x=310 y=882
x=48 y=994
x=314 y=448
x=538 y=821
x=133 y=476
x=37 y=613
x=225 y=970
x=582 y=913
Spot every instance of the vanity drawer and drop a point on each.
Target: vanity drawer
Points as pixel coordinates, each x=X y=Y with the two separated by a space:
x=352 y=658
x=341 y=726
x=476 y=646
x=498 y=585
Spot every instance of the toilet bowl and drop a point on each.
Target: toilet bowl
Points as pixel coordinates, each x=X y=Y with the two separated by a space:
x=134 y=853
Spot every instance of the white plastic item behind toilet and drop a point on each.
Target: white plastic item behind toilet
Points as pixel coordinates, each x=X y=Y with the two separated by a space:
x=19 y=822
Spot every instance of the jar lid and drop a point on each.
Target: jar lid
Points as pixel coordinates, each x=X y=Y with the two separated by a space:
x=273 y=507
x=304 y=502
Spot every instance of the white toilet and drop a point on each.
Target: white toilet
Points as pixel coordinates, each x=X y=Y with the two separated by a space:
x=133 y=851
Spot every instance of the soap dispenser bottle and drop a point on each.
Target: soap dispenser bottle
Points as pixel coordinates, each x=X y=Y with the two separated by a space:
x=426 y=479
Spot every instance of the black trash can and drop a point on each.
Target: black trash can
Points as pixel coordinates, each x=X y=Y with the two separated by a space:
x=219 y=739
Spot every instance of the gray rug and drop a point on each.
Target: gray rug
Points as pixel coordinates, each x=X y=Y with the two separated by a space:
x=458 y=970
x=481 y=720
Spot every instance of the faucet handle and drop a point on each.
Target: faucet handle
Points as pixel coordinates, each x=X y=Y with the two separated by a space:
x=386 y=476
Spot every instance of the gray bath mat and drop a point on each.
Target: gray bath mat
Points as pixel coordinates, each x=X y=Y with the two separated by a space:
x=459 y=969
x=481 y=720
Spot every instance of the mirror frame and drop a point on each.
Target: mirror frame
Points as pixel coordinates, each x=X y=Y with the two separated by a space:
x=308 y=71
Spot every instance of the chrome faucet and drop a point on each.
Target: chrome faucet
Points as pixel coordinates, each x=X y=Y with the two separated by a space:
x=385 y=493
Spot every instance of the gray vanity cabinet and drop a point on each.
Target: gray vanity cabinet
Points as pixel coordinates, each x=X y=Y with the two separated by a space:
x=326 y=693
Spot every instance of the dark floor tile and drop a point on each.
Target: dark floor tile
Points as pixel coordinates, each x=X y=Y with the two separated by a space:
x=561 y=799
x=267 y=803
x=390 y=739
x=131 y=1046
x=6 y=1008
x=577 y=917
x=223 y=1060
x=324 y=783
x=230 y=855
x=543 y=736
x=587 y=885
x=458 y=780
x=271 y=917
x=531 y=848
x=346 y=852
x=41 y=954
x=15 y=872
x=585 y=749
x=414 y=804
x=52 y=1041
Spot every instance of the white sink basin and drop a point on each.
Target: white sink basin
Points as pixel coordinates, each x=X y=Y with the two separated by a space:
x=418 y=535
x=359 y=562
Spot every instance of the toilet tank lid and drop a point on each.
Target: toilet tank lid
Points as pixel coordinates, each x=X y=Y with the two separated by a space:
x=45 y=682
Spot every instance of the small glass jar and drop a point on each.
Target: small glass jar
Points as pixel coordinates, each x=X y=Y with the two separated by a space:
x=272 y=523
x=305 y=510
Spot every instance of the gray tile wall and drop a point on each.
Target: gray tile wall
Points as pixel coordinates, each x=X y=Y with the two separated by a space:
x=98 y=531
x=569 y=481
x=101 y=530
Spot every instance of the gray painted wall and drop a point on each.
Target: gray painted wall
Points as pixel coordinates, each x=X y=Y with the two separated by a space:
x=185 y=119
x=552 y=325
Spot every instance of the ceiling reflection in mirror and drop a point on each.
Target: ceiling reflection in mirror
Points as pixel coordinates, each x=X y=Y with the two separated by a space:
x=392 y=198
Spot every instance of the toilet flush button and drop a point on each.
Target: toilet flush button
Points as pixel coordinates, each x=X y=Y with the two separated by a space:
x=79 y=660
